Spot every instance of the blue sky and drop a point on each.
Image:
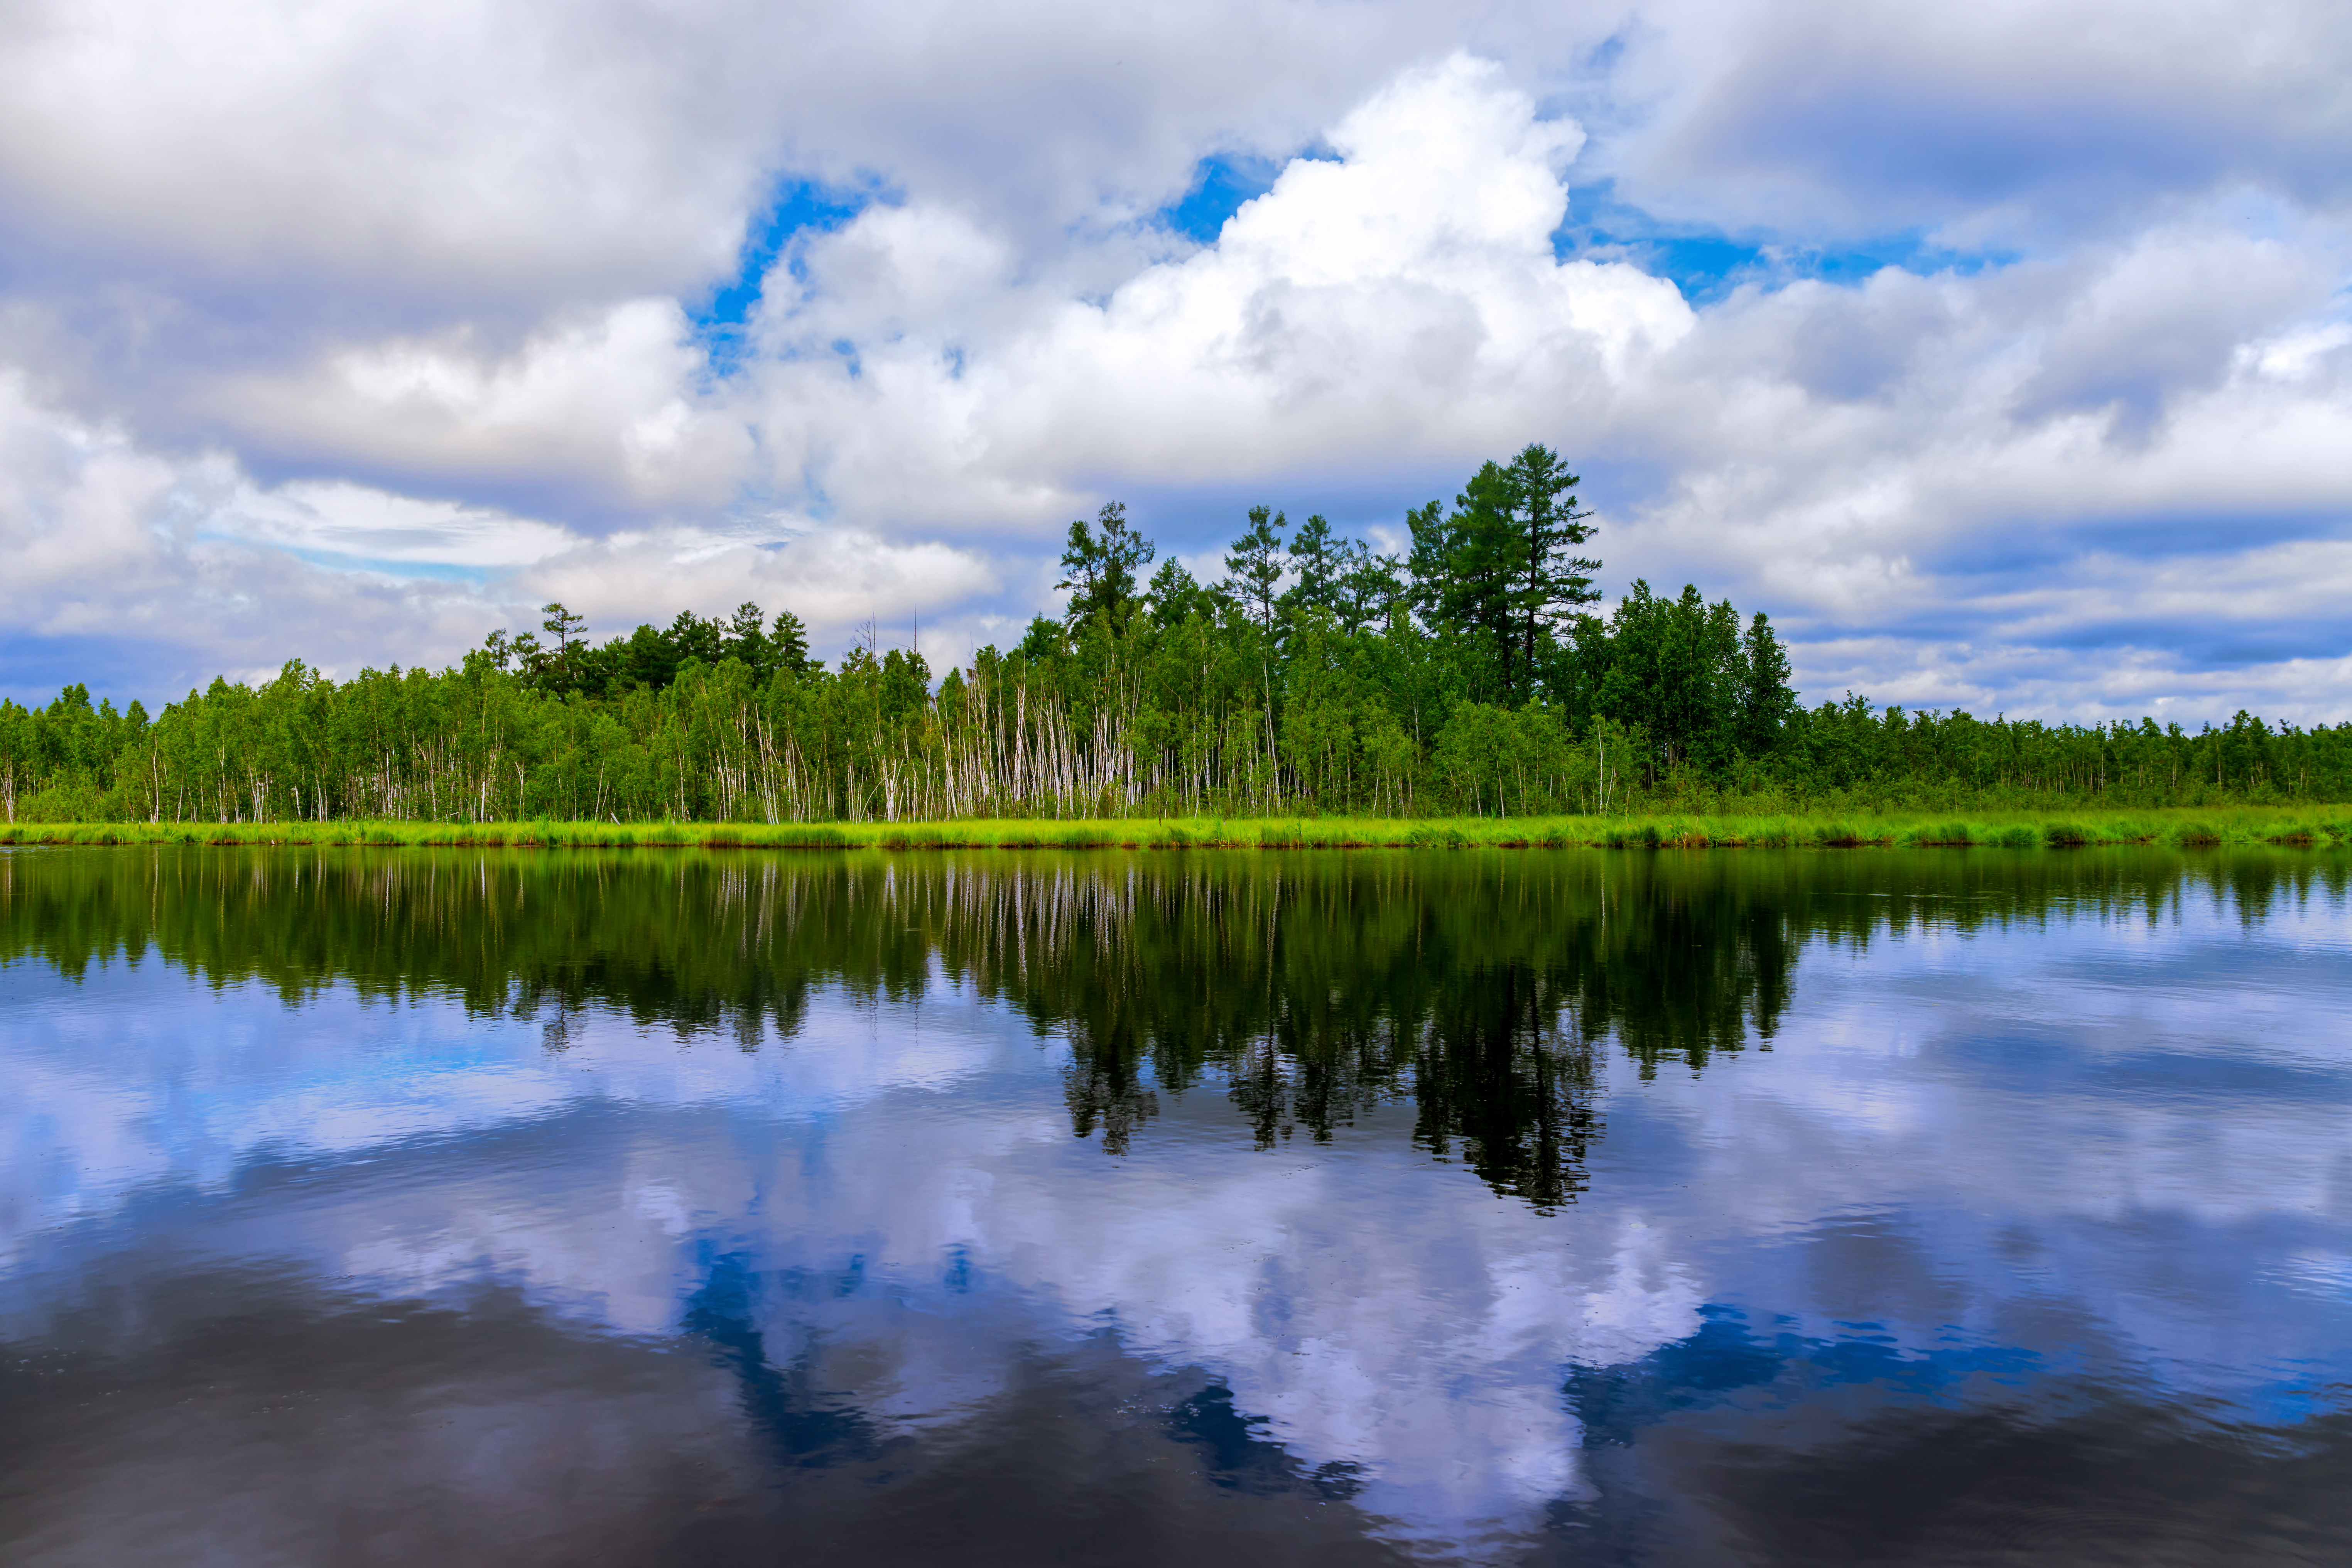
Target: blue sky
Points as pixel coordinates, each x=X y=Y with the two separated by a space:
x=2004 y=358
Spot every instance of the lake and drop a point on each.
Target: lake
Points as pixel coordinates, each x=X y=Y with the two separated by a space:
x=516 y=1207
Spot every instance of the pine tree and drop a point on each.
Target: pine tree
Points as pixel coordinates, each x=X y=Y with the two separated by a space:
x=1464 y=569
x=1550 y=583
x=565 y=629
x=1100 y=567
x=1366 y=589
x=1766 y=699
x=787 y=642
x=1256 y=565
x=745 y=639
x=1318 y=558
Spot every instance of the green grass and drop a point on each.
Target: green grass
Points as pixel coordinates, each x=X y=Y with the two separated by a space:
x=2003 y=831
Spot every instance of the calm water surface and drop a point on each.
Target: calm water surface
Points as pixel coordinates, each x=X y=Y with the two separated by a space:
x=513 y=1208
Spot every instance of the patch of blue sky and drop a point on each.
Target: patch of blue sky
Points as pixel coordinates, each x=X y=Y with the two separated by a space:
x=795 y=206
x=382 y=566
x=1707 y=264
x=425 y=571
x=344 y=560
x=1222 y=183
x=35 y=668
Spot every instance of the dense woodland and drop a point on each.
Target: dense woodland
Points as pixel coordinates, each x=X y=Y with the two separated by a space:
x=1469 y=675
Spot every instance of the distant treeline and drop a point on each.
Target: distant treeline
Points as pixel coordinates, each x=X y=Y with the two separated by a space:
x=1467 y=676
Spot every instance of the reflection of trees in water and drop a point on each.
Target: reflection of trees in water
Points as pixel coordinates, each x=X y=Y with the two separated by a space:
x=1104 y=1092
x=1683 y=967
x=1475 y=985
x=1496 y=1072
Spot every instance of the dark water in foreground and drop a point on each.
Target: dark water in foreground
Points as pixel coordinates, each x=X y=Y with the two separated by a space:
x=514 y=1208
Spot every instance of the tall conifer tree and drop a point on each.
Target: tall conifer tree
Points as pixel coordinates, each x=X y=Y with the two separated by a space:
x=1552 y=583
x=1100 y=567
x=1255 y=566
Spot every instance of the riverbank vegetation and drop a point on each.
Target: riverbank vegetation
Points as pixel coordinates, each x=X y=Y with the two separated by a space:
x=1466 y=677
x=2238 y=826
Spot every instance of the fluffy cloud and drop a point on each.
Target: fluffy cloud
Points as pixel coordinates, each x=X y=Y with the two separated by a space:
x=421 y=150
x=589 y=409
x=401 y=308
x=1403 y=300
x=2008 y=122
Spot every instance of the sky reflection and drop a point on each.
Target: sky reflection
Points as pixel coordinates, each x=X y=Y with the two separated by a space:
x=2022 y=1173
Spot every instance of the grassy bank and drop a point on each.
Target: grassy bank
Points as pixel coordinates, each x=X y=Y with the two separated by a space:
x=2325 y=827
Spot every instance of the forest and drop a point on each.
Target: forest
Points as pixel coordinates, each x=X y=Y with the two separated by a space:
x=1469 y=674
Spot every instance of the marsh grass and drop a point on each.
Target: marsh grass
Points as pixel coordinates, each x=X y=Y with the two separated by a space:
x=2187 y=829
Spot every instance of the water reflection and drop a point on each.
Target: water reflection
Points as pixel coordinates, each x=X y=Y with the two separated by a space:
x=365 y=1206
x=1314 y=986
x=1961 y=1455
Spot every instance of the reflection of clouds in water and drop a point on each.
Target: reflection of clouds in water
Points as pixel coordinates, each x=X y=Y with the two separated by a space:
x=1373 y=1316
x=1372 y=1311
x=2322 y=1274
x=1375 y=1312
x=135 y=1082
x=1952 y=1136
x=143 y=1080
x=2043 y=1121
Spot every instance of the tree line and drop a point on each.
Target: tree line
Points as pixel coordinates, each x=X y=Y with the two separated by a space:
x=1470 y=673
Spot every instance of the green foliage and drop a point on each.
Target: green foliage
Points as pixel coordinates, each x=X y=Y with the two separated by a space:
x=1497 y=574
x=1317 y=679
x=2240 y=827
x=1101 y=565
x=1256 y=565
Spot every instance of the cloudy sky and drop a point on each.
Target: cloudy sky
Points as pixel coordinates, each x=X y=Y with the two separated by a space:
x=2002 y=353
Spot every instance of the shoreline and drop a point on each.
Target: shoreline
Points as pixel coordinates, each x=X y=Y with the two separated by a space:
x=2174 y=827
